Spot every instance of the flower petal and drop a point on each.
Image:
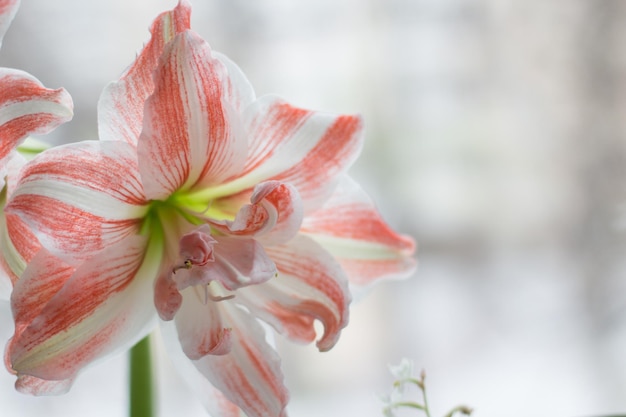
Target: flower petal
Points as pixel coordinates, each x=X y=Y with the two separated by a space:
x=249 y=375
x=212 y=399
x=28 y=108
x=80 y=198
x=101 y=309
x=120 y=108
x=350 y=227
x=292 y=145
x=275 y=214
x=27 y=384
x=40 y=282
x=238 y=89
x=236 y=263
x=167 y=298
x=310 y=285
x=188 y=135
x=8 y=9
x=200 y=328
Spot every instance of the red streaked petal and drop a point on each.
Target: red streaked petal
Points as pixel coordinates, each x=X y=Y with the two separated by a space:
x=120 y=109
x=40 y=282
x=292 y=145
x=18 y=245
x=188 y=136
x=249 y=375
x=27 y=384
x=80 y=198
x=201 y=330
x=274 y=215
x=310 y=285
x=8 y=9
x=104 y=307
x=239 y=91
x=350 y=227
x=28 y=108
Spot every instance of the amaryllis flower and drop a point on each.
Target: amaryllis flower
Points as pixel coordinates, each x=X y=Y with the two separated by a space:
x=205 y=207
x=26 y=108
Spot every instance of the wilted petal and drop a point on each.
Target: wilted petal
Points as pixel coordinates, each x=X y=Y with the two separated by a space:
x=190 y=133
x=292 y=145
x=200 y=328
x=120 y=109
x=275 y=214
x=310 y=285
x=350 y=227
x=103 y=308
x=8 y=9
x=237 y=263
x=28 y=108
x=249 y=375
x=81 y=198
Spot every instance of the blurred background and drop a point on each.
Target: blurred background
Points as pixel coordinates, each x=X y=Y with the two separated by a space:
x=495 y=137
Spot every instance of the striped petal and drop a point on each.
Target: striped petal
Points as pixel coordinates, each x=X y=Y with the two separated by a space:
x=350 y=227
x=41 y=281
x=190 y=134
x=120 y=109
x=18 y=244
x=28 y=108
x=8 y=9
x=249 y=375
x=274 y=215
x=292 y=145
x=80 y=198
x=101 y=309
x=310 y=286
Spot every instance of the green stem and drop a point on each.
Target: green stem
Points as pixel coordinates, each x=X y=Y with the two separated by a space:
x=141 y=383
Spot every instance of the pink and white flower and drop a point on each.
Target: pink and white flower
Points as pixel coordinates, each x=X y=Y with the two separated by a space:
x=202 y=205
x=26 y=108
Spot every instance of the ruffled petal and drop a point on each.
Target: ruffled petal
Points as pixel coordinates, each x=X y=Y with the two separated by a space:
x=103 y=308
x=310 y=285
x=292 y=145
x=191 y=134
x=120 y=108
x=275 y=214
x=200 y=328
x=28 y=108
x=249 y=375
x=234 y=263
x=8 y=9
x=81 y=198
x=350 y=227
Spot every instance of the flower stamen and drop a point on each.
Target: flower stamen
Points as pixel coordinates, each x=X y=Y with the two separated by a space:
x=214 y=292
